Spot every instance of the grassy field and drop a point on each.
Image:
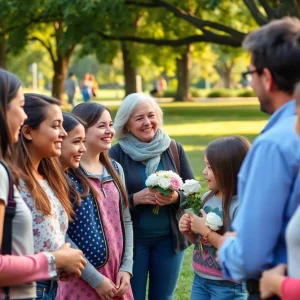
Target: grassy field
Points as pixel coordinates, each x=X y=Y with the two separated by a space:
x=194 y=125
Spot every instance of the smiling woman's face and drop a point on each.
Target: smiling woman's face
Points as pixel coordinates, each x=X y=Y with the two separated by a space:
x=73 y=147
x=143 y=122
x=48 y=137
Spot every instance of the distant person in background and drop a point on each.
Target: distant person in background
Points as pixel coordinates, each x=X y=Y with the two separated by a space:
x=160 y=87
x=70 y=89
x=86 y=88
x=94 y=85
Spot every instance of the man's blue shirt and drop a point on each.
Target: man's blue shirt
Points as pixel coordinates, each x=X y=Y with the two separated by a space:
x=268 y=195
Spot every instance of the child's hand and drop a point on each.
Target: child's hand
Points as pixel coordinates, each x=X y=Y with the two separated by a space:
x=123 y=283
x=185 y=224
x=204 y=214
x=106 y=289
x=198 y=224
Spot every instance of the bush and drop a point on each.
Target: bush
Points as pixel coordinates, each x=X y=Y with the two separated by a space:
x=195 y=92
x=246 y=93
x=221 y=93
x=166 y=94
x=169 y=94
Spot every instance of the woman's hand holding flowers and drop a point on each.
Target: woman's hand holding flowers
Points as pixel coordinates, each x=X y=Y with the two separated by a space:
x=162 y=200
x=145 y=196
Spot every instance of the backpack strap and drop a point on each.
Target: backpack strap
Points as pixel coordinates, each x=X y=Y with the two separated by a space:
x=10 y=211
x=175 y=155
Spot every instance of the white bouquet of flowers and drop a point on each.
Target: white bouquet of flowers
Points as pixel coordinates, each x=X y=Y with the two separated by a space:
x=213 y=221
x=164 y=182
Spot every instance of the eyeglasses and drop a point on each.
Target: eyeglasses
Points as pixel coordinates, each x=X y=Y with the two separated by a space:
x=247 y=76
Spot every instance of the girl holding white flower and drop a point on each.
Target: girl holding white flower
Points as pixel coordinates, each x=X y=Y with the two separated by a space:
x=223 y=159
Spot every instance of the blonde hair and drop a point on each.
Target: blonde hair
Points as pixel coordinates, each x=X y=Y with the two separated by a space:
x=126 y=109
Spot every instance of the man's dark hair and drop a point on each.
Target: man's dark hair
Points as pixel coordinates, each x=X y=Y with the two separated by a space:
x=276 y=46
x=71 y=74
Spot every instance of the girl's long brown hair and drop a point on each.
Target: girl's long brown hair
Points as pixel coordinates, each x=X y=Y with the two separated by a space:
x=9 y=87
x=70 y=122
x=90 y=113
x=225 y=156
x=50 y=168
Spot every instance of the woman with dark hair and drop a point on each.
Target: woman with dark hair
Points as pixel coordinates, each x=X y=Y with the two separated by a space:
x=102 y=226
x=21 y=266
x=44 y=187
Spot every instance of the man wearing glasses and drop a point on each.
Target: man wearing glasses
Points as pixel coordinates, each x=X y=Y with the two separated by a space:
x=269 y=181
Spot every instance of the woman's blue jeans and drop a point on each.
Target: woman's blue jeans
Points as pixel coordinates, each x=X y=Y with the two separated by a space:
x=46 y=290
x=209 y=289
x=155 y=257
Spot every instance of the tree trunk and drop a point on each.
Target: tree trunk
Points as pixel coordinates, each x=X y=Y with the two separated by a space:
x=129 y=71
x=225 y=74
x=182 y=74
x=60 y=71
x=227 y=79
x=2 y=54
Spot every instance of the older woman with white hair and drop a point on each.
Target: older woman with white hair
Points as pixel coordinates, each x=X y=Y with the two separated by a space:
x=142 y=149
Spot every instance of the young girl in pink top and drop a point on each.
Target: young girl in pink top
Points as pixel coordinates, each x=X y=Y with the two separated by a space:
x=19 y=270
x=102 y=227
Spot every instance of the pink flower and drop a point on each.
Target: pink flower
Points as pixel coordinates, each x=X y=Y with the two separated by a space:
x=176 y=184
x=36 y=232
x=47 y=244
x=38 y=219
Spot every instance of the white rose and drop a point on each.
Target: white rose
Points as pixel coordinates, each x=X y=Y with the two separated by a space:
x=191 y=186
x=213 y=221
x=164 y=183
x=152 y=180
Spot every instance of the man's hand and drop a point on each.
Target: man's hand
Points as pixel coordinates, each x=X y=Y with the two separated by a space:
x=271 y=280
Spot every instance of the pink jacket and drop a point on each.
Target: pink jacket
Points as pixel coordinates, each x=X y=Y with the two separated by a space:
x=17 y=270
x=290 y=289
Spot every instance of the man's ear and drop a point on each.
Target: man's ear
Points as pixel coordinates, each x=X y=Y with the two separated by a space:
x=268 y=80
x=26 y=132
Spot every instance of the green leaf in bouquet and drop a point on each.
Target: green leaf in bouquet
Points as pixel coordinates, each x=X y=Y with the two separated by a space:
x=183 y=203
x=163 y=191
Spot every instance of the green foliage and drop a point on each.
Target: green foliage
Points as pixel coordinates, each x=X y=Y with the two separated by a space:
x=195 y=92
x=246 y=93
x=221 y=93
x=162 y=191
x=193 y=203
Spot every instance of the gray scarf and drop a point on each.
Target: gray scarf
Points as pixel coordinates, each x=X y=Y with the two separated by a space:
x=146 y=152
